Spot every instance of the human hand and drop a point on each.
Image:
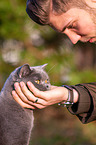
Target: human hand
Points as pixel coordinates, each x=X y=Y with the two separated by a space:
x=27 y=99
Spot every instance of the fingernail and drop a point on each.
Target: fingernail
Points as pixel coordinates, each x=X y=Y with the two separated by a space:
x=21 y=84
x=16 y=85
x=28 y=83
x=13 y=92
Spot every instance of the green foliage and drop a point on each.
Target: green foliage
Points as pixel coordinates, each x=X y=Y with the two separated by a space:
x=12 y=19
x=85 y=76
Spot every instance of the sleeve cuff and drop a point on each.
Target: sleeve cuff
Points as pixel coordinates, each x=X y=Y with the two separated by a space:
x=83 y=108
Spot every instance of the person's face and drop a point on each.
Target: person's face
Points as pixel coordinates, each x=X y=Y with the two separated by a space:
x=76 y=23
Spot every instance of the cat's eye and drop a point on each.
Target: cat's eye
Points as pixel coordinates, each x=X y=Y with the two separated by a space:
x=37 y=81
x=46 y=81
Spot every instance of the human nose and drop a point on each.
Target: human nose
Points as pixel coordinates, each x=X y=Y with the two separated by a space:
x=73 y=36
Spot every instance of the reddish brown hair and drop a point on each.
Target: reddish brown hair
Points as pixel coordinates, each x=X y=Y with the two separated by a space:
x=39 y=10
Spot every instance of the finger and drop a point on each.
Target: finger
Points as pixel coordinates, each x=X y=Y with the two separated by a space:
x=39 y=106
x=21 y=94
x=23 y=104
x=27 y=93
x=40 y=102
x=36 y=91
x=30 y=96
x=20 y=102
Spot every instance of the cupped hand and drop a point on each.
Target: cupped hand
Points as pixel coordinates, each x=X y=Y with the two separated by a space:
x=27 y=97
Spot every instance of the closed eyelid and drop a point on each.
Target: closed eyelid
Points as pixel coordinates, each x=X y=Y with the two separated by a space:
x=73 y=25
x=70 y=25
x=66 y=26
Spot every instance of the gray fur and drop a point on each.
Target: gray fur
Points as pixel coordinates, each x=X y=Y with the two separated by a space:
x=16 y=122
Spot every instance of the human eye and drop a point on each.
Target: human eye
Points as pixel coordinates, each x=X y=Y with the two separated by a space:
x=73 y=26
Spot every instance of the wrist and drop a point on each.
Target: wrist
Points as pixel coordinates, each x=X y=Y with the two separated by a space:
x=65 y=95
x=70 y=96
x=75 y=94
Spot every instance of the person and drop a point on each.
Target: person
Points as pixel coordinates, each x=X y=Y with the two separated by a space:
x=76 y=19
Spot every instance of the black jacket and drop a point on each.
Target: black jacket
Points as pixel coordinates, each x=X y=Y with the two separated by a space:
x=85 y=108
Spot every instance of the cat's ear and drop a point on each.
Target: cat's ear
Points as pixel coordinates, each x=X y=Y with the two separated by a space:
x=43 y=66
x=24 y=70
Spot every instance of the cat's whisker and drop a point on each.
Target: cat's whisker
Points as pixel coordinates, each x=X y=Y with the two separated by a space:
x=51 y=68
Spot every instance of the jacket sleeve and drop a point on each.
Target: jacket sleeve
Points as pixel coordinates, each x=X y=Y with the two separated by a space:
x=85 y=108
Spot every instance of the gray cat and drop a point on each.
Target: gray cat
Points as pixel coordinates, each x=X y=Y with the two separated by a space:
x=16 y=122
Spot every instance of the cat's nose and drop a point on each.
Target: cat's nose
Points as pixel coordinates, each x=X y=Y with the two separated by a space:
x=47 y=86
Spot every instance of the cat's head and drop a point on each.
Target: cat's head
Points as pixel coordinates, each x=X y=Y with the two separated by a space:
x=37 y=75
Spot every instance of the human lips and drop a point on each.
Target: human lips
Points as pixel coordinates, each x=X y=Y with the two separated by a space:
x=91 y=40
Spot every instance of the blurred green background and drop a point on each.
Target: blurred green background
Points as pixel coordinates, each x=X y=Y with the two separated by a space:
x=23 y=41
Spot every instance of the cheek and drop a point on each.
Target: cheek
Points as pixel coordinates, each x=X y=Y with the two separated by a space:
x=85 y=27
